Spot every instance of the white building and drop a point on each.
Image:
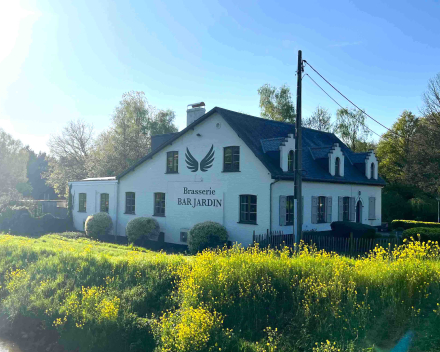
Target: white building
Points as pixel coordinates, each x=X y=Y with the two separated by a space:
x=237 y=170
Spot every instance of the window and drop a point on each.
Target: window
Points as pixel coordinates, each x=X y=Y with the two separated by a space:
x=159 y=204
x=338 y=167
x=130 y=202
x=291 y=161
x=184 y=236
x=248 y=209
x=321 y=209
x=373 y=175
x=104 y=202
x=372 y=208
x=231 y=159
x=172 y=162
x=346 y=209
x=289 y=210
x=82 y=202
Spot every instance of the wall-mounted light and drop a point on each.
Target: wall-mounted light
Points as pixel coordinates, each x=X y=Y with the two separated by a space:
x=198 y=135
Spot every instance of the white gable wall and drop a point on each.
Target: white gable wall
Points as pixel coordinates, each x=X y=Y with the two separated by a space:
x=151 y=177
x=93 y=189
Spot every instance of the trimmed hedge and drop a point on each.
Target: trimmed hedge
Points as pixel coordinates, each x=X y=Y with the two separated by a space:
x=344 y=228
x=141 y=229
x=19 y=221
x=99 y=224
x=425 y=233
x=409 y=224
x=208 y=234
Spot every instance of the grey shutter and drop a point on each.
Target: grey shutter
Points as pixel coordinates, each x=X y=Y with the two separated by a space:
x=283 y=201
x=352 y=211
x=328 y=210
x=314 y=210
x=372 y=208
x=340 y=208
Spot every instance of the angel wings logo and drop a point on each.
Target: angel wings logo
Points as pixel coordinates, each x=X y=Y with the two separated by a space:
x=205 y=164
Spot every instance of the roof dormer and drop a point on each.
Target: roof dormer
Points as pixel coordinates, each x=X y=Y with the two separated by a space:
x=287 y=153
x=336 y=161
x=371 y=166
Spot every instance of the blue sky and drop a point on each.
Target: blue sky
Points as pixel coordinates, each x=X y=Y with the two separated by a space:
x=64 y=60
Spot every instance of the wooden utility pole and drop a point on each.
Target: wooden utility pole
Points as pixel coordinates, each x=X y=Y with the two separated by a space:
x=298 y=152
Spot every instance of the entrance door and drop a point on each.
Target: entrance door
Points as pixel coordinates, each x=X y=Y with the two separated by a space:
x=359 y=211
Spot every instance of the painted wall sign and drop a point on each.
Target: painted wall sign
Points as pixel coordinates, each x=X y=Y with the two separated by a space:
x=190 y=195
x=205 y=164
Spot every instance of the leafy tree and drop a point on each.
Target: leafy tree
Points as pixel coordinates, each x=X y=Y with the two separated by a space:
x=69 y=152
x=13 y=161
x=37 y=167
x=320 y=120
x=129 y=138
x=276 y=104
x=351 y=128
x=431 y=97
x=396 y=149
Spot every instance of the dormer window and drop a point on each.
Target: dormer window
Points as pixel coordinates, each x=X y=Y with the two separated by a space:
x=338 y=167
x=373 y=170
x=290 y=161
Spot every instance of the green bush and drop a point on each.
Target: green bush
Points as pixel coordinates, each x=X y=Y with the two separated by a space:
x=207 y=234
x=409 y=224
x=140 y=229
x=99 y=224
x=425 y=233
x=344 y=228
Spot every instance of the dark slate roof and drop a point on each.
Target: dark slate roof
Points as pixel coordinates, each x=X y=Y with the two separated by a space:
x=259 y=134
x=159 y=139
x=320 y=152
x=272 y=144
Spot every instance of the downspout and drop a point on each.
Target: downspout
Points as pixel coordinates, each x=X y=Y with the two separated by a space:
x=117 y=208
x=270 y=204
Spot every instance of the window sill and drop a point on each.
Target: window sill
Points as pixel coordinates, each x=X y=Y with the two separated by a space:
x=130 y=213
x=82 y=211
x=169 y=172
x=231 y=171
x=161 y=216
x=247 y=222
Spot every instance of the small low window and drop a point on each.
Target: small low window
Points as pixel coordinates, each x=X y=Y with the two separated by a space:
x=172 y=162
x=130 y=203
x=291 y=161
x=321 y=209
x=248 y=209
x=82 y=202
x=104 y=202
x=231 y=159
x=159 y=204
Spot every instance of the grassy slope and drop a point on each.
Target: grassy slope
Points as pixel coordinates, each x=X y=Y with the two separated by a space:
x=112 y=298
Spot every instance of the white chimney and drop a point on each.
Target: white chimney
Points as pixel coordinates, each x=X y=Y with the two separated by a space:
x=194 y=111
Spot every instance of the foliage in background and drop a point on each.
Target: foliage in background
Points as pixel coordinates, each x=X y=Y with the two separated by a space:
x=424 y=234
x=99 y=224
x=208 y=234
x=13 y=162
x=351 y=128
x=276 y=103
x=142 y=228
x=69 y=152
x=319 y=120
x=128 y=139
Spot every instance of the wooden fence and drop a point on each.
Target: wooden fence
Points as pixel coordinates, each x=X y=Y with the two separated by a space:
x=329 y=243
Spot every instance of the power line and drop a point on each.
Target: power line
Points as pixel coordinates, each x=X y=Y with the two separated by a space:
x=350 y=100
x=362 y=123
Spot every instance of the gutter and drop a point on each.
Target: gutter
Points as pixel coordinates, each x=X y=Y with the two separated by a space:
x=270 y=204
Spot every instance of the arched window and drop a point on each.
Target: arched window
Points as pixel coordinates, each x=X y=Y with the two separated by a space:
x=290 y=161
x=338 y=167
x=373 y=174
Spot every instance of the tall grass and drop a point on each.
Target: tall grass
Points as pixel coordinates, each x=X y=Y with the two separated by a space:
x=115 y=298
